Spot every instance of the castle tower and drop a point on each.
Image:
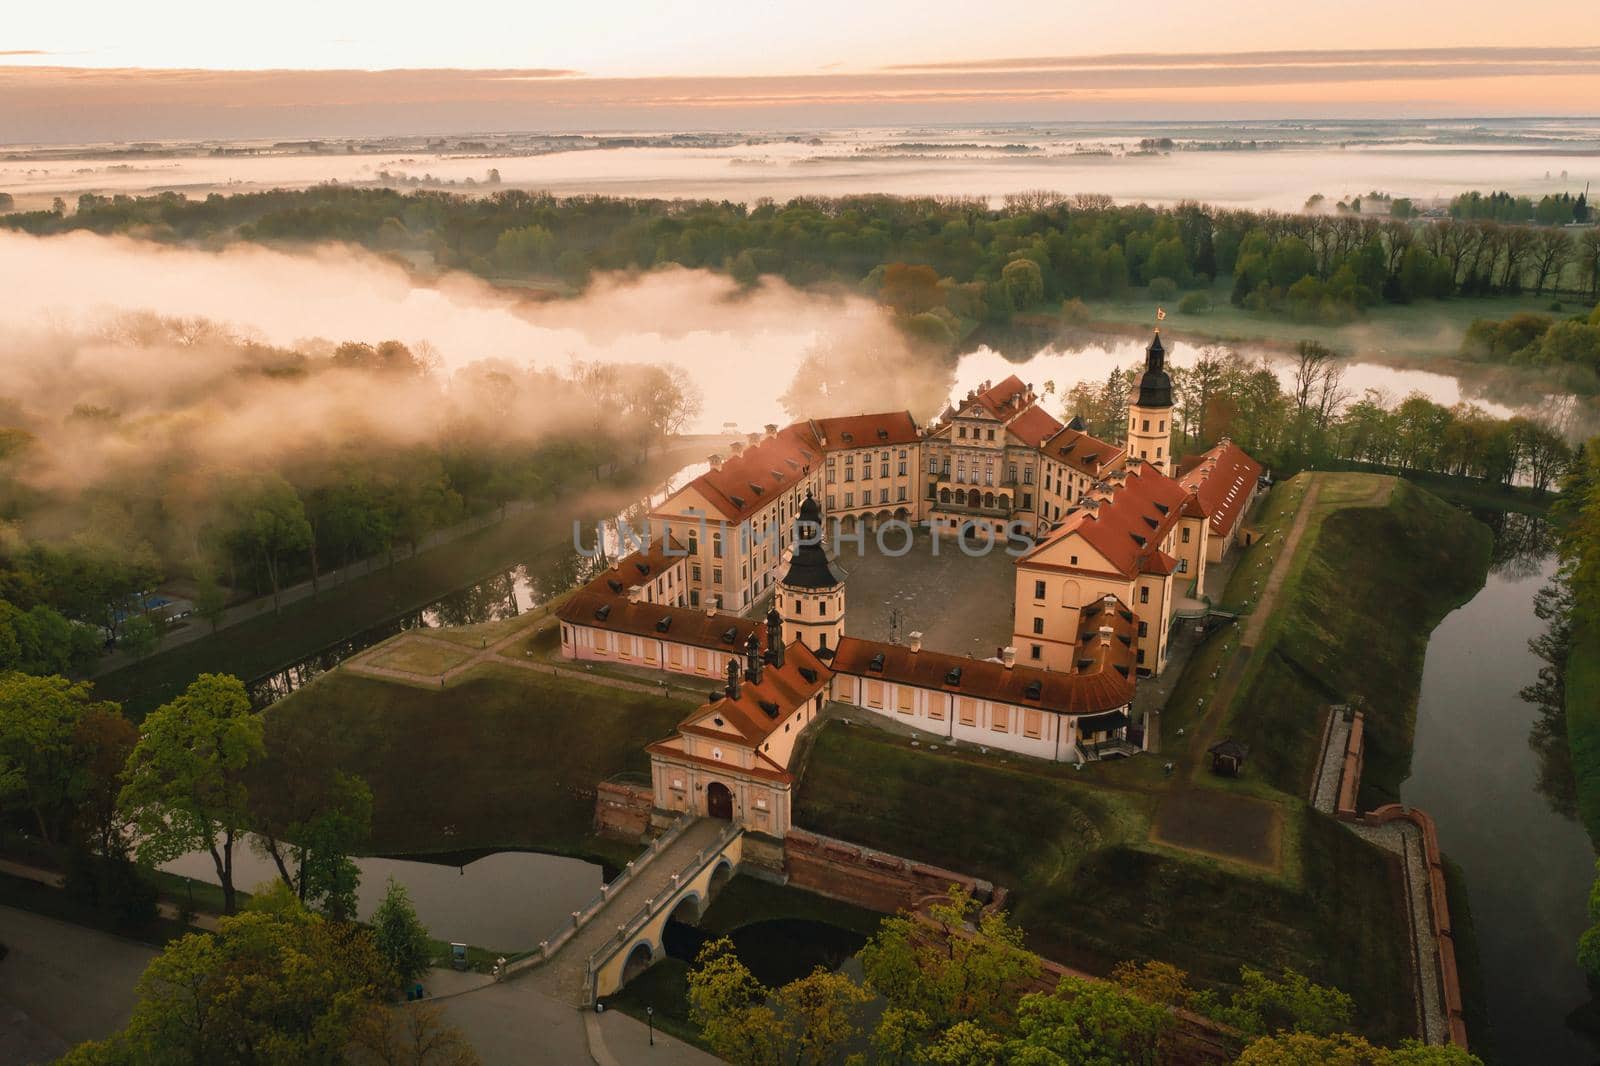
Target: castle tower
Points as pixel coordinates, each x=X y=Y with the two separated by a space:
x=1150 y=411
x=810 y=597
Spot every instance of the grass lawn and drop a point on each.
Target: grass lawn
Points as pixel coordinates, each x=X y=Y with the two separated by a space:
x=873 y=788
x=504 y=758
x=1381 y=562
x=417 y=655
x=1091 y=891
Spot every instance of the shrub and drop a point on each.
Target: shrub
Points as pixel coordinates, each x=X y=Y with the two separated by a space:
x=1163 y=288
x=1196 y=303
x=112 y=886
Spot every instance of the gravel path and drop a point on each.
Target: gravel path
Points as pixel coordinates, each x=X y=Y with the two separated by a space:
x=1405 y=839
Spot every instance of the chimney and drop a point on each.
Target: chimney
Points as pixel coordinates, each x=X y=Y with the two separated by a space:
x=738 y=446
x=771 y=428
x=752 y=660
x=775 y=638
x=715 y=461
x=752 y=437
x=1008 y=656
x=915 y=642
x=733 y=679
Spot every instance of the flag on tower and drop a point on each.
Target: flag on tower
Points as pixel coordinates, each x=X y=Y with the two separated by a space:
x=1160 y=314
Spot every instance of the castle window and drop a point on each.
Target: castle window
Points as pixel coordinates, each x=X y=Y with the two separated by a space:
x=1144 y=593
x=1035 y=652
x=991 y=434
x=1146 y=426
x=961 y=431
x=1163 y=426
x=1038 y=625
x=1186 y=534
x=1038 y=590
x=716 y=575
x=1144 y=629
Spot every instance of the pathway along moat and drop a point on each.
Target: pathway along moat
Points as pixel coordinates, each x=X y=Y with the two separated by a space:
x=1527 y=867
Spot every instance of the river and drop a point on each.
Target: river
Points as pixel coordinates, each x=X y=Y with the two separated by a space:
x=1527 y=867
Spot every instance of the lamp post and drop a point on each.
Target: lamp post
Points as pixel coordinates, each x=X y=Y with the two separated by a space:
x=650 y=1020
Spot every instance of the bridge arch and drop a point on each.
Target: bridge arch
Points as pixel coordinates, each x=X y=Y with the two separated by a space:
x=688 y=910
x=640 y=956
x=720 y=876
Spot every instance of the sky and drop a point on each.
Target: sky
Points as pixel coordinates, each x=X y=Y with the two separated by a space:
x=184 y=68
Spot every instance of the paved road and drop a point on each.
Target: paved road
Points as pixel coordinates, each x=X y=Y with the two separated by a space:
x=71 y=983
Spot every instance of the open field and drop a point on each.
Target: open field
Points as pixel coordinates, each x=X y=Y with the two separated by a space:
x=504 y=758
x=419 y=656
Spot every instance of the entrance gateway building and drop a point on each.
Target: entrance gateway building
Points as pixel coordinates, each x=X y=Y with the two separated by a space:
x=1121 y=543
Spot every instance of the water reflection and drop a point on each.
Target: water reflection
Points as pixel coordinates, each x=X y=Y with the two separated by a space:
x=1523 y=543
x=1527 y=864
x=504 y=900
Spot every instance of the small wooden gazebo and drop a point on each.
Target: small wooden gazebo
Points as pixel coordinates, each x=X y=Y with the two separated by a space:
x=1227 y=757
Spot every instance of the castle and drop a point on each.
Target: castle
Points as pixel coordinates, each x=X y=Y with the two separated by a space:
x=1117 y=541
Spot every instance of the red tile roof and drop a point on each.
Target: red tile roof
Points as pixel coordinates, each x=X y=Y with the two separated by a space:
x=1086 y=454
x=643 y=567
x=1005 y=399
x=886 y=429
x=1126 y=520
x=1223 y=479
x=601 y=606
x=746 y=482
x=1101 y=680
x=782 y=689
x=1034 y=426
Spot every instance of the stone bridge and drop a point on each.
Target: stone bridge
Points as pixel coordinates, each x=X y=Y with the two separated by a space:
x=621 y=935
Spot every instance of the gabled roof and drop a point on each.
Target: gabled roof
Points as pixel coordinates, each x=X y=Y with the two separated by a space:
x=1085 y=454
x=1033 y=426
x=886 y=429
x=1101 y=678
x=1125 y=518
x=760 y=709
x=1222 y=479
x=757 y=474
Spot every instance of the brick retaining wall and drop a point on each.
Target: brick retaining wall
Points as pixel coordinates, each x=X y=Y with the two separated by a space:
x=622 y=811
x=1350 y=776
x=872 y=879
x=1438 y=912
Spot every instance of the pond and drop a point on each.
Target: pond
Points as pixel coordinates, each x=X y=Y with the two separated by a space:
x=504 y=901
x=1527 y=866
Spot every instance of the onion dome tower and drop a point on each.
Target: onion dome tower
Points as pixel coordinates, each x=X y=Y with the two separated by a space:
x=1150 y=412
x=810 y=597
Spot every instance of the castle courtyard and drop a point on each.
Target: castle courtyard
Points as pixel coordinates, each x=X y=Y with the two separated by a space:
x=960 y=603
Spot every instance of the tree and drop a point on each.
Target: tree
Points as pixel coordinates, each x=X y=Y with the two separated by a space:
x=1293 y=1003
x=185 y=778
x=264 y=519
x=821 y=1011
x=140 y=637
x=1024 y=283
x=399 y=936
x=210 y=600
x=275 y=984
x=662 y=398
x=41 y=747
x=1090 y=1023
x=102 y=740
x=414 y=1034
x=951 y=975
x=1346 y=1049
x=330 y=824
x=729 y=1006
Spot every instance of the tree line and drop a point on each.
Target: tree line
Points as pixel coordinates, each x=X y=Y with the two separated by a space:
x=1312 y=420
x=1310 y=266
x=1569 y=346
x=957 y=988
